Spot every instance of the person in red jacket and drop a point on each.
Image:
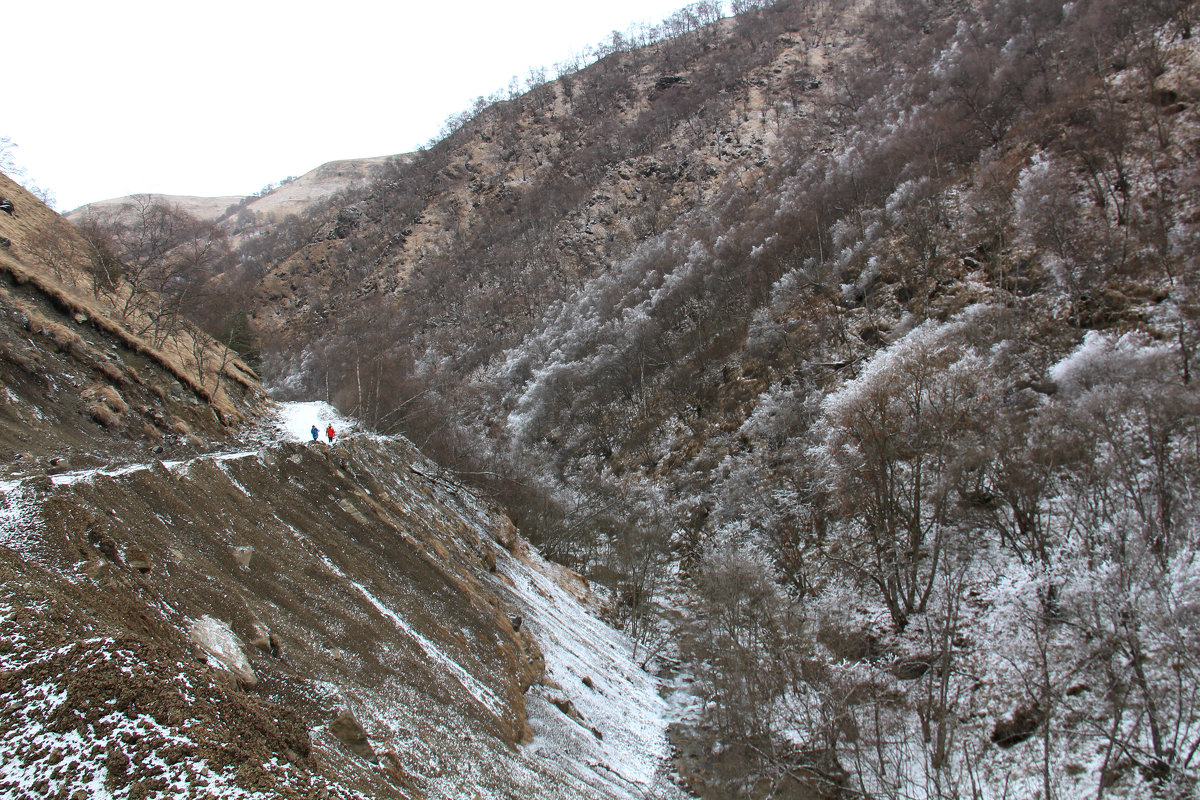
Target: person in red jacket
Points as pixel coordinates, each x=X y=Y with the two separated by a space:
x=330 y=432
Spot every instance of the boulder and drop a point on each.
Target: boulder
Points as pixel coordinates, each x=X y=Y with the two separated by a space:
x=139 y=559
x=505 y=533
x=221 y=649
x=346 y=728
x=913 y=667
x=261 y=638
x=242 y=556
x=1020 y=725
x=567 y=707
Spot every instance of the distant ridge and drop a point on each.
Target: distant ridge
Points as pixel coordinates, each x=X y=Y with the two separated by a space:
x=205 y=208
x=318 y=184
x=290 y=198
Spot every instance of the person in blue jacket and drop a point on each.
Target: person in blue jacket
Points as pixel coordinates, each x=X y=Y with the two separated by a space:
x=316 y=433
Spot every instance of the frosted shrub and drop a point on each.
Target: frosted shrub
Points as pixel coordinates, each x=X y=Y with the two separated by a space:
x=1138 y=420
x=1127 y=597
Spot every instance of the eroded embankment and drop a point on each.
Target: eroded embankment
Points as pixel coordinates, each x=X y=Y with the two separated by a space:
x=361 y=589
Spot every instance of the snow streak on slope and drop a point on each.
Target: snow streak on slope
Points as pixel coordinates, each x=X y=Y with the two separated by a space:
x=480 y=692
x=621 y=744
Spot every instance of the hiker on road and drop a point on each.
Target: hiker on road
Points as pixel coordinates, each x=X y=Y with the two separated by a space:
x=330 y=432
x=316 y=434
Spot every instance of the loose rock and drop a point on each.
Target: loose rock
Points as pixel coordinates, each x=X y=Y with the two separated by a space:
x=242 y=556
x=350 y=733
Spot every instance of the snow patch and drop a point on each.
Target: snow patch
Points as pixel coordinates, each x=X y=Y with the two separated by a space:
x=19 y=528
x=622 y=741
x=295 y=420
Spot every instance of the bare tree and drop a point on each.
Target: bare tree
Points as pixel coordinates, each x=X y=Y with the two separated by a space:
x=165 y=254
x=56 y=250
x=104 y=264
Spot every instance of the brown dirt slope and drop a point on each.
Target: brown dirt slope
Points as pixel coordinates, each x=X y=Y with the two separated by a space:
x=350 y=578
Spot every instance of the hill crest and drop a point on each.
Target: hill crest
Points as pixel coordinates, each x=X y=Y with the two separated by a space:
x=291 y=196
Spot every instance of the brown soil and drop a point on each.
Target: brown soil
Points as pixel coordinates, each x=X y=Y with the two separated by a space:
x=102 y=594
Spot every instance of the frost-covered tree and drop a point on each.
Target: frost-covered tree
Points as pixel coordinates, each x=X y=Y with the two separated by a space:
x=740 y=635
x=891 y=442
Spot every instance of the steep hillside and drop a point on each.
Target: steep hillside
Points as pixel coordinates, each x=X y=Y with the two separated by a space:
x=301 y=620
x=598 y=279
x=85 y=382
x=458 y=250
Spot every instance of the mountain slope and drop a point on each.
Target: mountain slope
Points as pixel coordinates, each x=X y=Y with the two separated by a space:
x=198 y=600
x=227 y=609
x=851 y=347
x=82 y=383
x=877 y=319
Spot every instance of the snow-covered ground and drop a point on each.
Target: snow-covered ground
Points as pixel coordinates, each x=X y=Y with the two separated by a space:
x=619 y=744
x=296 y=420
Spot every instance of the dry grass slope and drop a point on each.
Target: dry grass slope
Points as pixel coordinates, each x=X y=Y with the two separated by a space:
x=47 y=254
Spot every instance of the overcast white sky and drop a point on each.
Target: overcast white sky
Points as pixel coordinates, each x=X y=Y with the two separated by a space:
x=220 y=97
